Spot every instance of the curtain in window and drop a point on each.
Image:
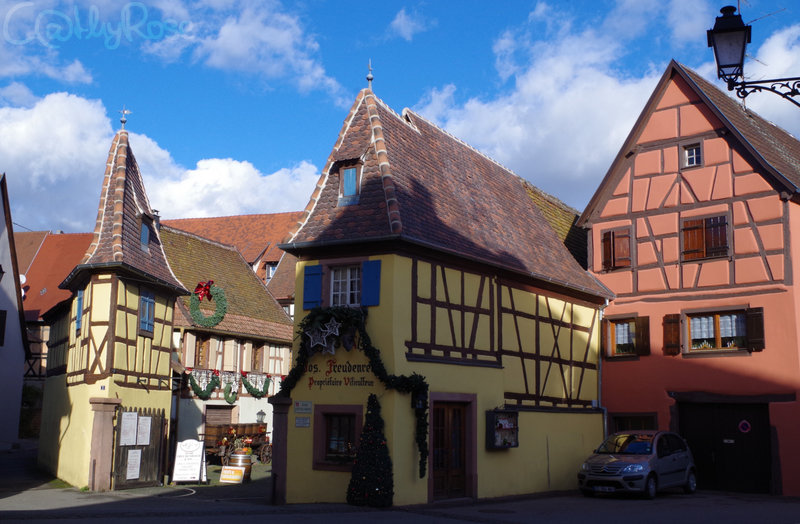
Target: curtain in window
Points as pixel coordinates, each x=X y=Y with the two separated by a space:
x=733 y=325
x=702 y=327
x=623 y=332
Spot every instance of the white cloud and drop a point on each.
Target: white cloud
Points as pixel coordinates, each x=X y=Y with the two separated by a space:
x=223 y=186
x=567 y=114
x=54 y=154
x=407 y=25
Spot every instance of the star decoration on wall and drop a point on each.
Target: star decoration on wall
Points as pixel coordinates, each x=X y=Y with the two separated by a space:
x=317 y=337
x=332 y=327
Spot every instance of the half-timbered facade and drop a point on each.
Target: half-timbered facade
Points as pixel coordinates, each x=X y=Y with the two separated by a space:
x=692 y=229
x=111 y=345
x=465 y=283
x=250 y=342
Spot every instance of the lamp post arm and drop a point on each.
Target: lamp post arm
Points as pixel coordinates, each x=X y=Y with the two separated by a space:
x=785 y=87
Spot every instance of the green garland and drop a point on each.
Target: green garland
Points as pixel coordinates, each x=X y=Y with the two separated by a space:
x=354 y=319
x=230 y=398
x=252 y=389
x=204 y=394
x=219 y=313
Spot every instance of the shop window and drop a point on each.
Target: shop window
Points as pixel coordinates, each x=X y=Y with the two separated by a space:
x=627 y=336
x=716 y=330
x=147 y=303
x=346 y=285
x=705 y=238
x=616 y=249
x=337 y=429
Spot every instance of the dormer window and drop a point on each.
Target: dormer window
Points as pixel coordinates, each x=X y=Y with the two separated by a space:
x=349 y=184
x=144 y=234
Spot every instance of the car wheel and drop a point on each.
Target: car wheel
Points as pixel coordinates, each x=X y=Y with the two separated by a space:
x=587 y=492
x=691 y=483
x=650 y=487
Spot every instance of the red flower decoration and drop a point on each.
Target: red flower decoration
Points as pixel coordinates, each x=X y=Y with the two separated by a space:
x=216 y=372
x=244 y=374
x=203 y=290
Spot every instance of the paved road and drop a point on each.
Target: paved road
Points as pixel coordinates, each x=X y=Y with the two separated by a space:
x=26 y=496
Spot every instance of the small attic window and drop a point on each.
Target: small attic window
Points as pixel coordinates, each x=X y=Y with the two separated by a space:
x=349 y=184
x=692 y=155
x=144 y=235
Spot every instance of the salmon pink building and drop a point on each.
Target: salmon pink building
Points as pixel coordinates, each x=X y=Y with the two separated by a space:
x=695 y=228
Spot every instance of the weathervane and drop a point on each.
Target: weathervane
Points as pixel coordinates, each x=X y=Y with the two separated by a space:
x=369 y=75
x=125 y=113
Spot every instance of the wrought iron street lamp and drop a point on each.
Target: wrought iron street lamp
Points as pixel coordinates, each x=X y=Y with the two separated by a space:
x=729 y=39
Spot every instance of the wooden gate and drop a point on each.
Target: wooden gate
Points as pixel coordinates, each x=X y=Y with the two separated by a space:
x=139 y=438
x=449 y=450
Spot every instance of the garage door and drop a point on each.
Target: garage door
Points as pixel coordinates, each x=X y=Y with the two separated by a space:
x=730 y=444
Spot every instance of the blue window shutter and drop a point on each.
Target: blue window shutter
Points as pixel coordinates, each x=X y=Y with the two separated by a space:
x=147 y=311
x=371 y=283
x=312 y=287
x=79 y=314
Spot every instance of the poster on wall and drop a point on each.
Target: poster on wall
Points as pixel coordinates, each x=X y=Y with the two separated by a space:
x=134 y=464
x=143 y=431
x=128 y=428
x=190 y=463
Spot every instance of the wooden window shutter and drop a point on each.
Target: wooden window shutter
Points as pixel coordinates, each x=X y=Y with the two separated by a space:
x=672 y=334
x=622 y=248
x=371 y=283
x=3 y=314
x=312 y=287
x=755 y=329
x=693 y=239
x=716 y=236
x=608 y=254
x=642 y=335
x=604 y=340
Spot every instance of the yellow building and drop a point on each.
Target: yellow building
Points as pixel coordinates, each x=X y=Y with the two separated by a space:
x=432 y=277
x=110 y=346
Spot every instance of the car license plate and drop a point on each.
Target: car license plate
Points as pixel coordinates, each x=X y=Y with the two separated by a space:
x=605 y=489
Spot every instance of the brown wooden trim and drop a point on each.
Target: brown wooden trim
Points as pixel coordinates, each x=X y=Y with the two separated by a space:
x=58 y=370
x=538 y=399
x=553 y=360
x=558 y=322
x=671 y=295
x=519 y=342
x=429 y=348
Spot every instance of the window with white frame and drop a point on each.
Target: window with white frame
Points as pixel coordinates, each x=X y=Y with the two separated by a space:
x=346 y=286
x=692 y=156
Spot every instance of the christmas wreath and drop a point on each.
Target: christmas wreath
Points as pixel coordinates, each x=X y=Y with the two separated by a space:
x=212 y=292
x=254 y=391
x=230 y=395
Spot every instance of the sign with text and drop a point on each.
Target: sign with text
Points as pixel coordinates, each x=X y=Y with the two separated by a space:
x=189 y=461
x=340 y=373
x=130 y=421
x=134 y=464
x=302 y=406
x=231 y=475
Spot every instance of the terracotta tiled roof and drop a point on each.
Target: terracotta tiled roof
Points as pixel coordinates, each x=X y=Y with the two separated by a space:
x=255 y=236
x=252 y=310
x=27 y=244
x=775 y=150
x=281 y=285
x=563 y=219
x=123 y=204
x=58 y=255
x=423 y=186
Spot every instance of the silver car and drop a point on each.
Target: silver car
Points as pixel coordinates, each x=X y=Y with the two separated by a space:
x=639 y=462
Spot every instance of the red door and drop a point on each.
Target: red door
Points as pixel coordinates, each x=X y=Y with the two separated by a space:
x=449 y=456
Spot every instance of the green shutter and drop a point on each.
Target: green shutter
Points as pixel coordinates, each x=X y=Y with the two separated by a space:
x=312 y=287
x=371 y=283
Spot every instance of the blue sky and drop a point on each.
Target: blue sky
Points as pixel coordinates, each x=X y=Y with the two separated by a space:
x=237 y=104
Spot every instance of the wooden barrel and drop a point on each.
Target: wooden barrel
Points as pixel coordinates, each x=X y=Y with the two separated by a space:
x=244 y=461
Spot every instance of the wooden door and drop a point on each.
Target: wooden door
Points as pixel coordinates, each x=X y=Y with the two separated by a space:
x=449 y=454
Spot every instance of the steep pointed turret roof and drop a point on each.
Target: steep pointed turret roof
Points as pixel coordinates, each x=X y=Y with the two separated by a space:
x=422 y=186
x=124 y=207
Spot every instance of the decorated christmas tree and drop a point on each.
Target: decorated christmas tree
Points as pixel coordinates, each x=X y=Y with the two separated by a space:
x=372 y=482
